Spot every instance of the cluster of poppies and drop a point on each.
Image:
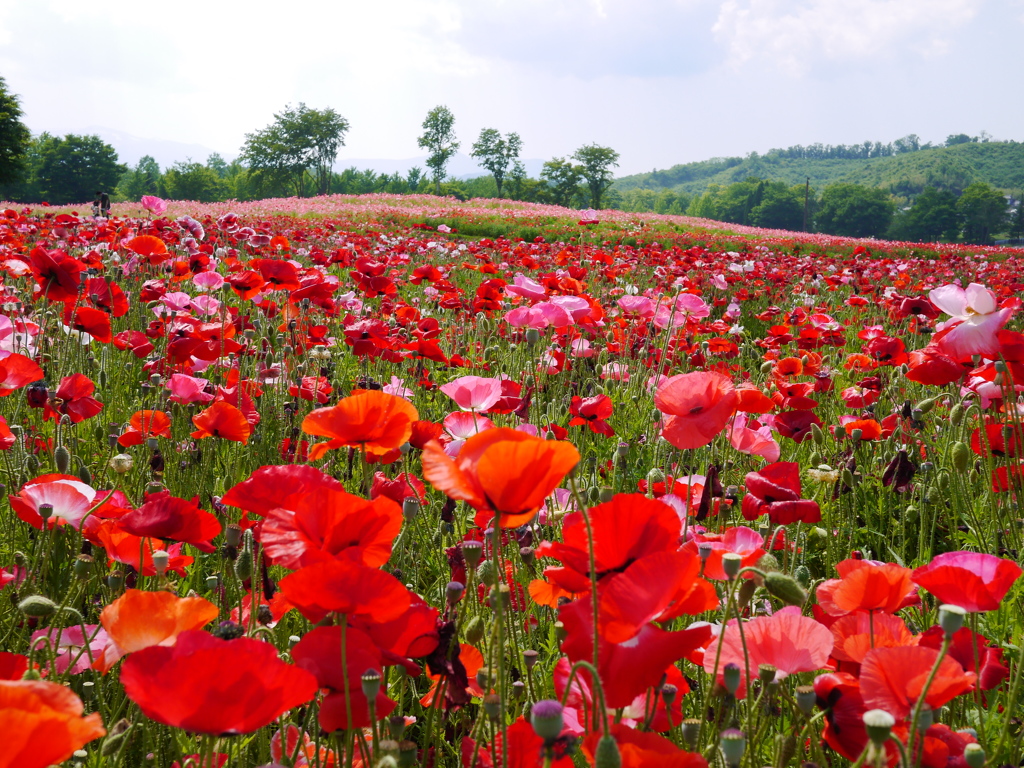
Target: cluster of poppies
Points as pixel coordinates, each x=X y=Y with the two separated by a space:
x=379 y=491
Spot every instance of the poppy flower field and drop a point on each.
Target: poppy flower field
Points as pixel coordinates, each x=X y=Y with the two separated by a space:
x=395 y=481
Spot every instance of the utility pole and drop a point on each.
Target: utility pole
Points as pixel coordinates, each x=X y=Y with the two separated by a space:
x=807 y=197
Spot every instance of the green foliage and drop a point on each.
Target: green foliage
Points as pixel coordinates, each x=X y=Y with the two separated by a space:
x=439 y=139
x=563 y=179
x=14 y=137
x=497 y=154
x=143 y=179
x=984 y=213
x=71 y=169
x=596 y=165
x=780 y=207
x=932 y=217
x=193 y=181
x=852 y=210
x=299 y=147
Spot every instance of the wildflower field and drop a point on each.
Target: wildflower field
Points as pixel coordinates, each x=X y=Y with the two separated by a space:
x=394 y=481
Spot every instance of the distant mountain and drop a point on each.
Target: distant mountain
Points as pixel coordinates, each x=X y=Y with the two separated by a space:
x=131 y=149
x=998 y=163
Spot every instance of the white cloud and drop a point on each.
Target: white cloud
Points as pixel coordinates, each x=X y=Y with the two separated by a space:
x=796 y=34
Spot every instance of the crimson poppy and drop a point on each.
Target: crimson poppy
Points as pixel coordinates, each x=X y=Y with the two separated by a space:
x=73 y=399
x=326 y=522
x=697 y=406
x=593 y=412
x=319 y=652
x=44 y=724
x=57 y=274
x=775 y=490
x=370 y=420
x=839 y=694
x=222 y=420
x=501 y=471
x=933 y=367
x=167 y=517
x=16 y=371
x=94 y=322
x=975 y=581
x=208 y=685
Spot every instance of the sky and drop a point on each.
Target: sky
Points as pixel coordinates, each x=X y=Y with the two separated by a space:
x=660 y=81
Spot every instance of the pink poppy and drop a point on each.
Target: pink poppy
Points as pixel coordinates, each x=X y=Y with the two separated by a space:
x=154 y=205
x=188 y=389
x=786 y=640
x=473 y=393
x=975 y=319
x=637 y=305
x=697 y=405
x=755 y=442
x=527 y=288
x=975 y=581
x=208 y=281
x=70 y=498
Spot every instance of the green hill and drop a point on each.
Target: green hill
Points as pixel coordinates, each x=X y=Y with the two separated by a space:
x=900 y=168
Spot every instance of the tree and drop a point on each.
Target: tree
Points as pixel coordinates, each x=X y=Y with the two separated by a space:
x=596 y=165
x=218 y=165
x=563 y=180
x=853 y=210
x=959 y=138
x=193 y=181
x=439 y=139
x=71 y=169
x=983 y=211
x=298 y=143
x=143 y=179
x=1017 y=220
x=781 y=207
x=932 y=217
x=14 y=137
x=496 y=154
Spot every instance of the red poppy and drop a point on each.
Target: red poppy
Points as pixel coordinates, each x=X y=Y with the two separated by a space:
x=865 y=585
x=313 y=388
x=641 y=749
x=933 y=367
x=893 y=679
x=214 y=686
x=775 y=490
x=370 y=420
x=796 y=425
x=222 y=420
x=94 y=322
x=973 y=580
x=525 y=750
x=320 y=652
x=628 y=669
x=697 y=406
x=57 y=274
x=167 y=517
x=839 y=695
x=502 y=472
x=43 y=724
x=136 y=551
x=626 y=529
x=277 y=486
x=143 y=425
x=12 y=665
x=345 y=586
x=138 y=620
x=996 y=442
x=592 y=411
x=16 y=371
x=973 y=652
x=326 y=522
x=73 y=399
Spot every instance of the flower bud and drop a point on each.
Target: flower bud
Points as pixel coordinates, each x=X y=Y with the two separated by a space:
x=784 y=587
x=62 y=459
x=37 y=606
x=607 y=754
x=243 y=565
x=474 y=630
x=472 y=552
x=817 y=435
x=879 y=724
x=370 y=682
x=961 y=455
x=951 y=619
x=546 y=719
x=733 y=744
x=655 y=475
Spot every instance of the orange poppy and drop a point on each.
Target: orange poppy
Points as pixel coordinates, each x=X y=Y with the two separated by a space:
x=138 y=619
x=867 y=586
x=502 y=471
x=222 y=420
x=869 y=429
x=43 y=724
x=143 y=425
x=641 y=749
x=857 y=633
x=370 y=420
x=893 y=679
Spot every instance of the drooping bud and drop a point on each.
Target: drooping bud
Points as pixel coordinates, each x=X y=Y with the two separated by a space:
x=785 y=587
x=474 y=630
x=961 y=456
x=37 y=606
x=62 y=459
x=607 y=754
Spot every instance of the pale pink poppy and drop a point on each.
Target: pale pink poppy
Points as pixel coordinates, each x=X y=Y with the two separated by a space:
x=786 y=640
x=208 y=281
x=637 y=305
x=473 y=393
x=69 y=646
x=754 y=442
x=188 y=389
x=582 y=348
x=576 y=307
x=177 y=301
x=685 y=307
x=397 y=388
x=461 y=426
x=205 y=305
x=154 y=205
x=615 y=372
x=71 y=500
x=529 y=317
x=588 y=216
x=975 y=319
x=720 y=282
x=527 y=288
x=444 y=228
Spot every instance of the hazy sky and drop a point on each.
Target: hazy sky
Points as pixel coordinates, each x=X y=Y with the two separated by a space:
x=661 y=81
